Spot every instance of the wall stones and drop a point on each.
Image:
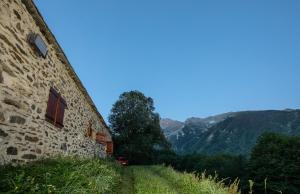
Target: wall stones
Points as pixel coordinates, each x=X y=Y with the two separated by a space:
x=39 y=110
x=2 y=118
x=12 y=102
x=29 y=78
x=3 y=134
x=4 y=38
x=12 y=151
x=31 y=139
x=1 y=76
x=8 y=70
x=17 y=119
x=25 y=81
x=64 y=147
x=17 y=14
x=29 y=156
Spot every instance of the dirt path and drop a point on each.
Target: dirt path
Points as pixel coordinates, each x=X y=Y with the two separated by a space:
x=127 y=181
x=146 y=181
x=171 y=189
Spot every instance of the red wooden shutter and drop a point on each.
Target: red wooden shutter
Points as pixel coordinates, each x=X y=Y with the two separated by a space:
x=60 y=112
x=109 y=147
x=100 y=137
x=51 y=107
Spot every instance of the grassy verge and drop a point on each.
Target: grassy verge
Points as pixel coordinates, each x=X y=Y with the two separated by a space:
x=61 y=175
x=127 y=182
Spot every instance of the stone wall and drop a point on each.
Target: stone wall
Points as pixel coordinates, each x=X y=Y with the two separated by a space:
x=25 y=81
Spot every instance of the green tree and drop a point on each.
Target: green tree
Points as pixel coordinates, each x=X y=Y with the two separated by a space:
x=276 y=158
x=135 y=127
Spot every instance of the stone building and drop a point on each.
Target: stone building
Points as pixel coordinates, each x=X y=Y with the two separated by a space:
x=44 y=108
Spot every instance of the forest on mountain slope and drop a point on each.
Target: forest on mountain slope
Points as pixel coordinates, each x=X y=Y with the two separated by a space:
x=230 y=133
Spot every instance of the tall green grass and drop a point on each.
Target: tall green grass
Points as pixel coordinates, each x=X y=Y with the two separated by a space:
x=61 y=175
x=160 y=179
x=93 y=176
x=190 y=183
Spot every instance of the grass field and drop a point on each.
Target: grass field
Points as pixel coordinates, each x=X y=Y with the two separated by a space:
x=70 y=175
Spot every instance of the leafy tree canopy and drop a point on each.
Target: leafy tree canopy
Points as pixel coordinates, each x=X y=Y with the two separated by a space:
x=276 y=159
x=135 y=128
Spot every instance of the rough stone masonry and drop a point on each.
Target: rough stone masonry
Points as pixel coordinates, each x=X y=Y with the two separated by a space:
x=25 y=82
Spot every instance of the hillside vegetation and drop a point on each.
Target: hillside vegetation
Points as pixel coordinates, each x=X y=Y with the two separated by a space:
x=71 y=175
x=273 y=165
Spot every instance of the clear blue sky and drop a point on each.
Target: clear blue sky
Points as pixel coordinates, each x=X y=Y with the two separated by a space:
x=194 y=58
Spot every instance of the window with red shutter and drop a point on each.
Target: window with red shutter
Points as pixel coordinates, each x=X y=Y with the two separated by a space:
x=52 y=104
x=56 y=108
x=60 y=113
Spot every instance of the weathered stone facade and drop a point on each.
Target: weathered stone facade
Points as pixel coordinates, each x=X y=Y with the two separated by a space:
x=25 y=81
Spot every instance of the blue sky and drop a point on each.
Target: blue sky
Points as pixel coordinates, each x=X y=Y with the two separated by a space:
x=194 y=58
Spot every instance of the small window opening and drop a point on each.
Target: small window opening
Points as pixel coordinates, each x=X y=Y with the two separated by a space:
x=39 y=44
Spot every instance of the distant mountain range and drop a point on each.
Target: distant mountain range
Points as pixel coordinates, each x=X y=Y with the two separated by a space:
x=233 y=132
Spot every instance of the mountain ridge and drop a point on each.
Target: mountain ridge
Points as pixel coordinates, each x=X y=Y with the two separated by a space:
x=232 y=132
